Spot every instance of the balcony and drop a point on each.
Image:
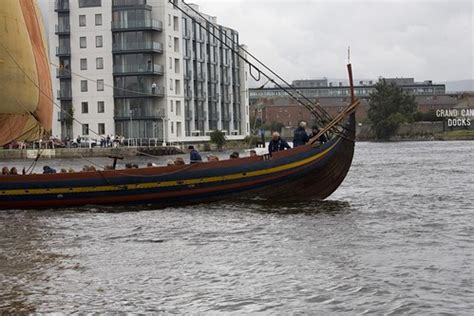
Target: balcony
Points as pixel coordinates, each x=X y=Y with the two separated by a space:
x=63 y=73
x=199 y=78
x=126 y=3
x=63 y=51
x=141 y=92
x=133 y=70
x=189 y=115
x=137 y=47
x=137 y=25
x=141 y=115
x=61 y=116
x=62 y=29
x=61 y=6
x=65 y=95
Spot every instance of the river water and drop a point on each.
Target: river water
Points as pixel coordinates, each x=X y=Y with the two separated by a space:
x=396 y=238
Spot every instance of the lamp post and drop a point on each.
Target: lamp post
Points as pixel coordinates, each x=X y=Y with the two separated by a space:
x=165 y=125
x=130 y=133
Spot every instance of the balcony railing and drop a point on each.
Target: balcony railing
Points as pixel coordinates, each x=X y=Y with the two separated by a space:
x=142 y=68
x=156 y=46
x=62 y=28
x=189 y=115
x=122 y=3
x=139 y=92
x=138 y=114
x=137 y=24
x=61 y=5
x=64 y=94
x=63 y=73
x=63 y=50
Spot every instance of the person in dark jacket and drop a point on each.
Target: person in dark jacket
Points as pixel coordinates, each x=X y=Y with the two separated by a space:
x=315 y=131
x=48 y=169
x=277 y=143
x=300 y=137
x=194 y=155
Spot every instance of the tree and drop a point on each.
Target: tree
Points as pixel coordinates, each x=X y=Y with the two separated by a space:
x=390 y=106
x=274 y=126
x=218 y=138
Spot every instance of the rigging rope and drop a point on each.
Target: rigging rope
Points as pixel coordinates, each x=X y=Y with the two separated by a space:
x=323 y=117
x=324 y=113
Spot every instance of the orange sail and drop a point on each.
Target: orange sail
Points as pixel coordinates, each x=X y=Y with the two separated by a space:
x=26 y=106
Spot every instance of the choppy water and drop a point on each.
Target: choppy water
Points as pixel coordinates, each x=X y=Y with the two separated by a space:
x=396 y=238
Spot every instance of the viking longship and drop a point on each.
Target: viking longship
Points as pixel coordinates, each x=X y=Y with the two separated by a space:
x=313 y=170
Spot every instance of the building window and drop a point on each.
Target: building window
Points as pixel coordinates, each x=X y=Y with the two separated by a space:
x=99 y=41
x=176 y=65
x=169 y=19
x=100 y=85
x=175 y=23
x=178 y=108
x=90 y=3
x=83 y=85
x=171 y=106
x=100 y=107
x=82 y=20
x=83 y=63
x=171 y=84
x=82 y=42
x=99 y=63
x=171 y=63
x=176 y=45
x=172 y=127
x=177 y=86
x=101 y=128
x=84 y=107
x=85 y=129
x=98 y=19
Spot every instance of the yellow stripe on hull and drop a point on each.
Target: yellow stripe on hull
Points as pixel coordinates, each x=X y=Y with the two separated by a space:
x=154 y=185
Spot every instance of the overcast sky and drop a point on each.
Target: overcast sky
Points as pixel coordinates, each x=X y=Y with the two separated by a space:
x=303 y=39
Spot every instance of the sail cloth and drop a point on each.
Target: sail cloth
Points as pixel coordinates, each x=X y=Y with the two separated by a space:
x=25 y=81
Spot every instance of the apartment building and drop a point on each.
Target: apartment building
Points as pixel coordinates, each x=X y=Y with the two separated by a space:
x=144 y=70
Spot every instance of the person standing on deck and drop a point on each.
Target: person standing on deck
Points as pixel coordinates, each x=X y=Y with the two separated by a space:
x=194 y=155
x=277 y=143
x=300 y=137
x=315 y=131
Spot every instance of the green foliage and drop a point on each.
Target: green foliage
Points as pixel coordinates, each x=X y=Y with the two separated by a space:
x=69 y=116
x=274 y=126
x=255 y=122
x=390 y=107
x=218 y=138
x=251 y=140
x=427 y=117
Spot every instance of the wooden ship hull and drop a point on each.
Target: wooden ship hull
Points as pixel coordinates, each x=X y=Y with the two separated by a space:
x=304 y=172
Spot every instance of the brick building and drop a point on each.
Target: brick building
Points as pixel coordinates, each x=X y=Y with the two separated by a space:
x=273 y=105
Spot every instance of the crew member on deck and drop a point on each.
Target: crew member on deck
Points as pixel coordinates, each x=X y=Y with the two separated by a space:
x=277 y=143
x=300 y=137
x=194 y=155
x=315 y=131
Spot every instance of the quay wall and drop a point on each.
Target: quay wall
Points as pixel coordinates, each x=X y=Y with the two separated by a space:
x=64 y=153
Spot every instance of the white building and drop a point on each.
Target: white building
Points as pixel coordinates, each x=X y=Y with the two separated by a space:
x=144 y=70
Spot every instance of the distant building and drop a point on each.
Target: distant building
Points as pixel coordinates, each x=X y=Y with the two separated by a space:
x=274 y=105
x=142 y=69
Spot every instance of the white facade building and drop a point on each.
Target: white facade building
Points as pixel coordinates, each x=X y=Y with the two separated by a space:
x=144 y=70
